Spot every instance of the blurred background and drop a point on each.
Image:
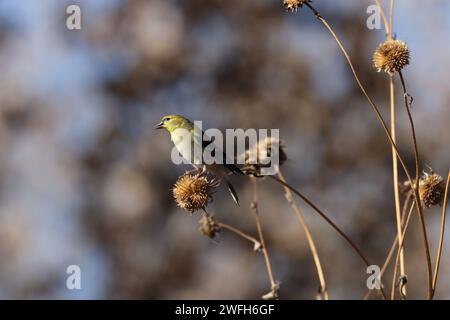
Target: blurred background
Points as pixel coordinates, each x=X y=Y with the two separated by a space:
x=86 y=180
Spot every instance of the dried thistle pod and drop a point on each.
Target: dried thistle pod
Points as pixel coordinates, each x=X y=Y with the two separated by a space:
x=293 y=5
x=391 y=56
x=431 y=189
x=261 y=154
x=193 y=192
x=209 y=226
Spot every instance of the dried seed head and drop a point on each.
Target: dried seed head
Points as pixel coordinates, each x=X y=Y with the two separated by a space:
x=260 y=155
x=193 y=192
x=209 y=226
x=293 y=5
x=391 y=56
x=431 y=189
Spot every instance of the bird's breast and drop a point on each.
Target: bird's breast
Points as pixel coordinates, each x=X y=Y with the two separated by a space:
x=184 y=143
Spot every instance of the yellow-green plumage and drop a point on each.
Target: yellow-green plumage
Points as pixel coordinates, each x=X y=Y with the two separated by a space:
x=183 y=135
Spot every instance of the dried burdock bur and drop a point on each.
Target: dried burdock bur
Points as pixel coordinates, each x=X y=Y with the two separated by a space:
x=431 y=189
x=209 y=226
x=193 y=192
x=261 y=154
x=293 y=5
x=391 y=56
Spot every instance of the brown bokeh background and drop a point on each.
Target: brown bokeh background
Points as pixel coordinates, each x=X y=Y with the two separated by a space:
x=86 y=180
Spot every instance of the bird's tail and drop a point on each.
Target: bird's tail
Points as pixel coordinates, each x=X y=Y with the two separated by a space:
x=232 y=192
x=219 y=172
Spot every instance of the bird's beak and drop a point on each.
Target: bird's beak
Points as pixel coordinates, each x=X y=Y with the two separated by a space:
x=159 y=126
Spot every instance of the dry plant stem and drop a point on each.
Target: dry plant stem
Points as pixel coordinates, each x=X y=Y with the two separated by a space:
x=324 y=216
x=394 y=243
x=386 y=130
x=395 y=176
x=273 y=284
x=441 y=237
x=388 y=28
x=391 y=18
x=330 y=222
x=383 y=15
x=240 y=233
x=236 y=231
x=394 y=157
x=309 y=238
x=413 y=130
x=385 y=265
x=416 y=188
x=363 y=90
x=400 y=242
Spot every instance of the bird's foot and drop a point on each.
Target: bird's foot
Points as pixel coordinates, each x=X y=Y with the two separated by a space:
x=197 y=172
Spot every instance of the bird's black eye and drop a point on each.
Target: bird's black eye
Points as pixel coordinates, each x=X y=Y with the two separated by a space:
x=166 y=119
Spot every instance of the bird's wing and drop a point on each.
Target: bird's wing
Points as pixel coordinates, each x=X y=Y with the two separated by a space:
x=207 y=141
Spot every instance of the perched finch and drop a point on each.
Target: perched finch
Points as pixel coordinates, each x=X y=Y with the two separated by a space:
x=187 y=139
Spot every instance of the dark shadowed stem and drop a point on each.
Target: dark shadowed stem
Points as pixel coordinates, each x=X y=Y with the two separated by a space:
x=406 y=97
x=254 y=205
x=400 y=247
x=441 y=237
x=240 y=233
x=408 y=102
x=256 y=243
x=330 y=222
x=312 y=247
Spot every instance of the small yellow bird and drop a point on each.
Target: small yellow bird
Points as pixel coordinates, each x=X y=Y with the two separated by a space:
x=187 y=138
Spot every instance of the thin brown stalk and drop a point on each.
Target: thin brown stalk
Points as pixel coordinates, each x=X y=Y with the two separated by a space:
x=240 y=233
x=362 y=88
x=330 y=222
x=391 y=18
x=394 y=243
x=406 y=97
x=323 y=291
x=395 y=176
x=394 y=156
x=386 y=130
x=383 y=15
x=400 y=247
x=324 y=216
x=399 y=218
x=441 y=237
x=386 y=263
x=273 y=284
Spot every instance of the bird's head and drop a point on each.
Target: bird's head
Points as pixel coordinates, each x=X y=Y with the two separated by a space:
x=173 y=122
